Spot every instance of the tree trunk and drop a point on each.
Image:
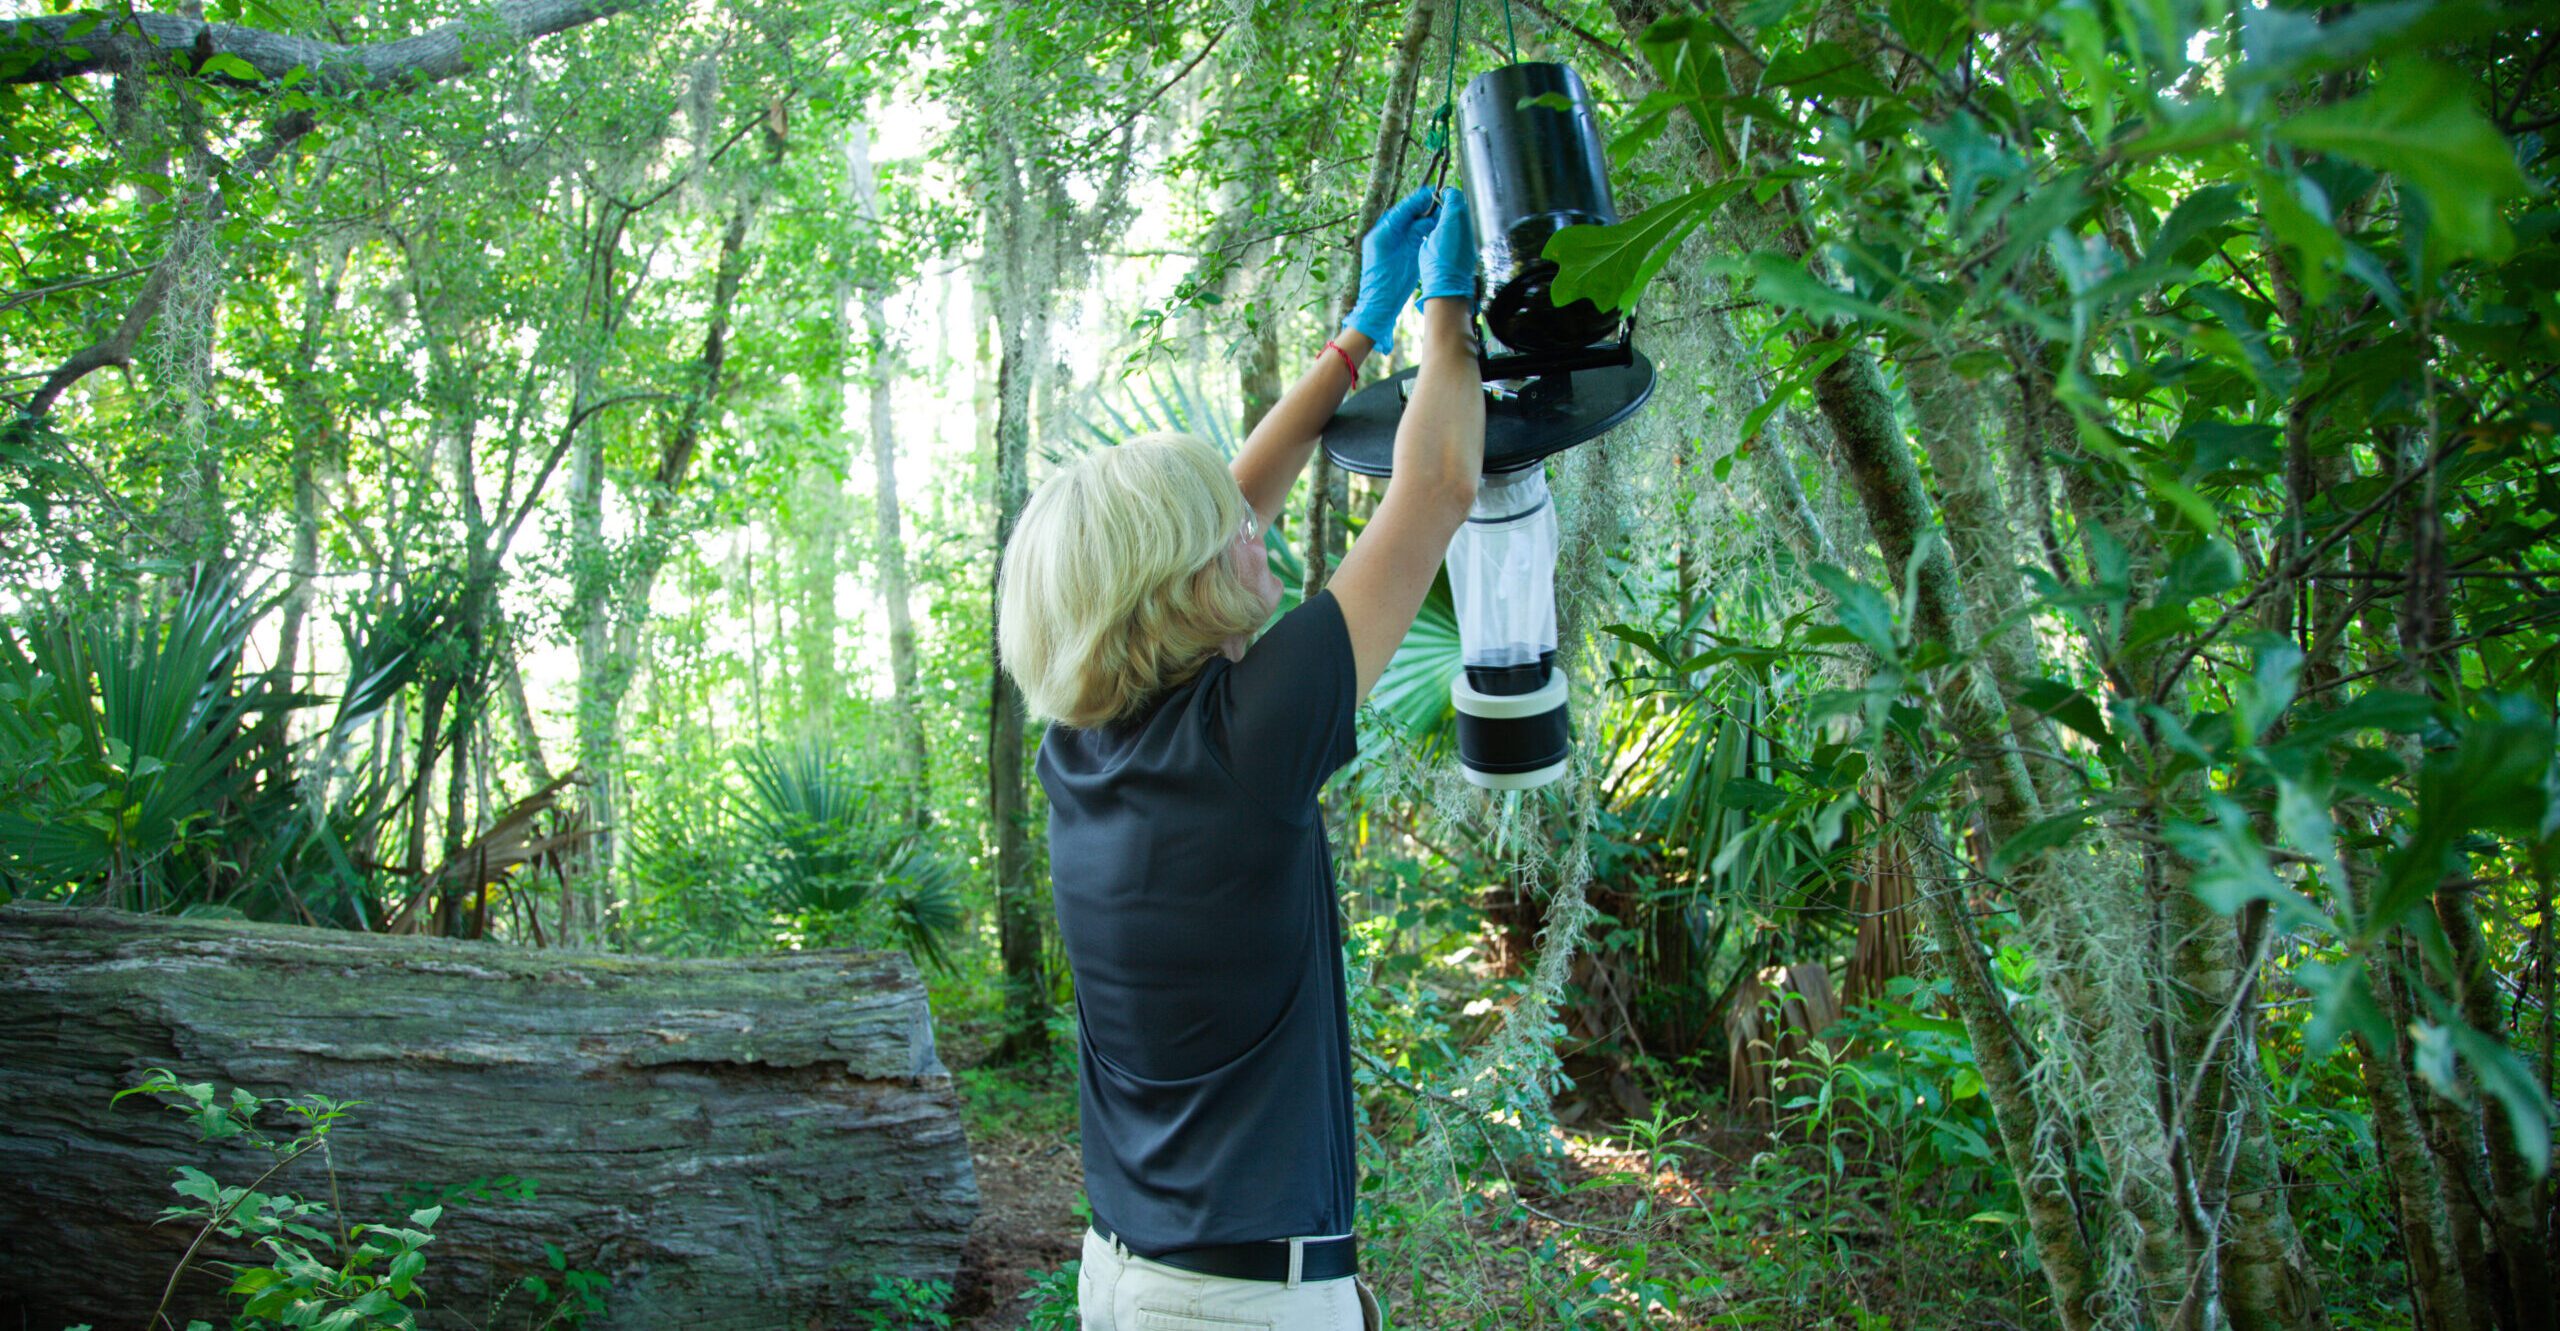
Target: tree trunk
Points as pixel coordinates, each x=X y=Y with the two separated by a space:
x=313 y=428
x=731 y=1144
x=611 y=612
x=2054 y=1224
x=888 y=533
x=2428 y=1240
x=1018 y=929
x=1258 y=379
x=1329 y=495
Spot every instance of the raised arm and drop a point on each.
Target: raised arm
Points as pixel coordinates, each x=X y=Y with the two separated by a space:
x=1279 y=447
x=1439 y=454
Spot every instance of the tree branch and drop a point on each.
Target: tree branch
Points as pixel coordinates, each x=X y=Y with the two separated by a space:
x=440 y=52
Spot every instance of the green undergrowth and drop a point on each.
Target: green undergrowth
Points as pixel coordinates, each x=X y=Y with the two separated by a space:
x=311 y=1262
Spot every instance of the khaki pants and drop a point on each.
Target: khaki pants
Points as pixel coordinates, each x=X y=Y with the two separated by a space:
x=1117 y=1290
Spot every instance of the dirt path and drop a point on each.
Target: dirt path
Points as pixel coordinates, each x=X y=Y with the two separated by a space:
x=1027 y=1224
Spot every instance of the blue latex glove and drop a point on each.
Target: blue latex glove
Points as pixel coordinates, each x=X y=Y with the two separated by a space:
x=1389 y=263
x=1449 y=252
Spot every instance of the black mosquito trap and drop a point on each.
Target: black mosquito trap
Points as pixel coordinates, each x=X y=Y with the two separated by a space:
x=1530 y=161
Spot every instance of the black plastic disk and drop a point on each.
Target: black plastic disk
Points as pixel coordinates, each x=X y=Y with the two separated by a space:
x=1518 y=429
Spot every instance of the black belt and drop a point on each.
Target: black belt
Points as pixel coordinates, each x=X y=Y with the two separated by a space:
x=1318 y=1259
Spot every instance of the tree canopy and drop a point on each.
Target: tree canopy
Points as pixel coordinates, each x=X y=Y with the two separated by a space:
x=2064 y=666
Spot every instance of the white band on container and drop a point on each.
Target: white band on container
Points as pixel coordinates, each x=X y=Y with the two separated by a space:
x=1508 y=706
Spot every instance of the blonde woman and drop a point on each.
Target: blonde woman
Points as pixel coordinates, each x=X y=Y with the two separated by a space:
x=1193 y=882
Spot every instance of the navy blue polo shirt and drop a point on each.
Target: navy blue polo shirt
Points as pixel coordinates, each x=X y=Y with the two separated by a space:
x=1195 y=896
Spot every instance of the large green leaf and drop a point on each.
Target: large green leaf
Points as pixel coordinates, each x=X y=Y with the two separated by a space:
x=1610 y=265
x=2418 y=122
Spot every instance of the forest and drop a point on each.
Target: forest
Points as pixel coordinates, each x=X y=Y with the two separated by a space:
x=500 y=515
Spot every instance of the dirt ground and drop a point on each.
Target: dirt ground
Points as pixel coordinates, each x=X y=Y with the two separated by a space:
x=1027 y=1192
x=1029 y=1183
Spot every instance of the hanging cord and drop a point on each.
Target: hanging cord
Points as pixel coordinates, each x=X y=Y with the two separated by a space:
x=1437 y=173
x=1438 y=140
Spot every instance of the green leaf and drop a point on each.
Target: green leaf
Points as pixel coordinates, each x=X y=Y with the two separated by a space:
x=2505 y=1077
x=1810 y=361
x=2269 y=690
x=1825 y=69
x=1610 y=265
x=1743 y=792
x=1925 y=25
x=1861 y=609
x=2199 y=212
x=2298 y=213
x=2418 y=122
x=2497 y=779
x=2069 y=706
x=2233 y=869
x=2222 y=449
x=2342 y=1001
x=404 y=1272
x=195 y=1183
x=2036 y=838
x=223 y=64
x=1783 y=281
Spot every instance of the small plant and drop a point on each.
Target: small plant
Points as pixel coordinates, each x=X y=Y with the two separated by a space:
x=1051 y=1299
x=909 y=1303
x=324 y=1273
x=360 y=1279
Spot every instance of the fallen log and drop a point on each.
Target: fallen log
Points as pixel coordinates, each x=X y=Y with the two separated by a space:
x=729 y=1144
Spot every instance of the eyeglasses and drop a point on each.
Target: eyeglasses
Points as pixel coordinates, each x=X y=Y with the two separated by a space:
x=1250 y=531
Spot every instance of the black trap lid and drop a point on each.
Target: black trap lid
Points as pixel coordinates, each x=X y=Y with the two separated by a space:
x=1546 y=416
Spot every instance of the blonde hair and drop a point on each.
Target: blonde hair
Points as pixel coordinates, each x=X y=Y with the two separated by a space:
x=1115 y=585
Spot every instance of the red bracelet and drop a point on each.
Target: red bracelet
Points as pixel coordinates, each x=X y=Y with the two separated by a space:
x=1347 y=362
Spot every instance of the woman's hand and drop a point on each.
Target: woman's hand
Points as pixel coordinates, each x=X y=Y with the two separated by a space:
x=1390 y=261
x=1448 y=257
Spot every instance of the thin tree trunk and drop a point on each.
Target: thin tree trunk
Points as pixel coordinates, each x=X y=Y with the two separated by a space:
x=888 y=534
x=2054 y=1224
x=1328 y=497
x=612 y=611
x=1025 y=245
x=312 y=430
x=2428 y=1238
x=520 y=708
x=1018 y=923
x=1018 y=927
x=1258 y=379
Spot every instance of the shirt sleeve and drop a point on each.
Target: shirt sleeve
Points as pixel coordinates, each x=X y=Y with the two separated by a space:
x=1285 y=723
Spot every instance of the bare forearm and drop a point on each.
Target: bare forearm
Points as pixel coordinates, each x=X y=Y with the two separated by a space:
x=1440 y=441
x=1439 y=454
x=1279 y=447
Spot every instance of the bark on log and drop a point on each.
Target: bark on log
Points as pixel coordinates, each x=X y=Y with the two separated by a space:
x=735 y=1144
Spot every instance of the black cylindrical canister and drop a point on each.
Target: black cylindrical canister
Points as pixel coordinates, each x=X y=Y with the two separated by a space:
x=1529 y=172
x=1512 y=741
